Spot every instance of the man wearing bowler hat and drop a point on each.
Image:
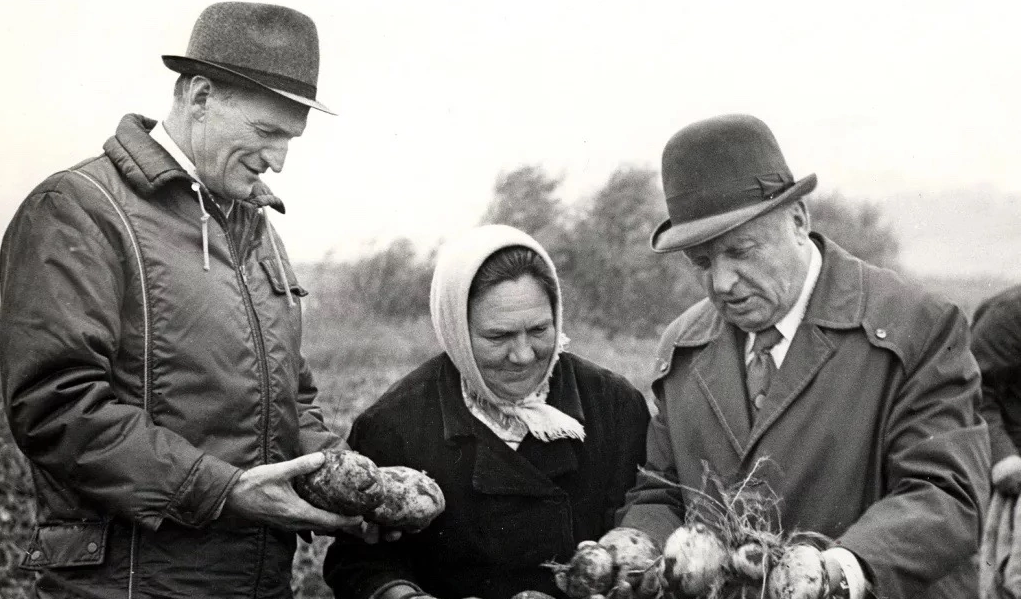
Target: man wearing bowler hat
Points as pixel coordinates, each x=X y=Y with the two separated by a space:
x=150 y=354
x=857 y=387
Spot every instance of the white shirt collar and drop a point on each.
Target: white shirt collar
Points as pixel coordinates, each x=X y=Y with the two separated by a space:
x=788 y=325
x=159 y=135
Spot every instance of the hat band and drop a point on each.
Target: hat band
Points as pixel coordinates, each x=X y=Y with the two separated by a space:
x=274 y=80
x=688 y=207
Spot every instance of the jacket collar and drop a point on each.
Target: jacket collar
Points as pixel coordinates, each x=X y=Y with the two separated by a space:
x=837 y=302
x=498 y=469
x=147 y=166
x=142 y=162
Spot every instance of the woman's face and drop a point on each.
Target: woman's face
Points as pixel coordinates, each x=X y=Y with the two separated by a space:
x=512 y=336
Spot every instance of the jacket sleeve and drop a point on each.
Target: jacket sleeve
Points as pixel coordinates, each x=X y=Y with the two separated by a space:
x=654 y=505
x=631 y=426
x=928 y=519
x=353 y=568
x=313 y=432
x=62 y=297
x=997 y=347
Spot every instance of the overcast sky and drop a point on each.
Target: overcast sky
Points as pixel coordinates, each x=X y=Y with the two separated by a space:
x=914 y=105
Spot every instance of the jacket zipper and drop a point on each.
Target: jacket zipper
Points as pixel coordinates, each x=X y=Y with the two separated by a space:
x=147 y=348
x=260 y=349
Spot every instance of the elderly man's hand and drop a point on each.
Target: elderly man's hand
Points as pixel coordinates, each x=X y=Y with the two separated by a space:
x=265 y=494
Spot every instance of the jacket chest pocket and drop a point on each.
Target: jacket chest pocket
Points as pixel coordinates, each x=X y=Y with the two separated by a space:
x=276 y=282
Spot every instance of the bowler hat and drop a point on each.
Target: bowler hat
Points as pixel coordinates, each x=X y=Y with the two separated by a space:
x=263 y=45
x=719 y=174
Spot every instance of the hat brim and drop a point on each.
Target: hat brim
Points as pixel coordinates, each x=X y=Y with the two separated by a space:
x=183 y=64
x=670 y=238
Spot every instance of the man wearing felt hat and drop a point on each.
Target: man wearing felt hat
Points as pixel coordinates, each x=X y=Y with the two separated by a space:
x=857 y=388
x=150 y=354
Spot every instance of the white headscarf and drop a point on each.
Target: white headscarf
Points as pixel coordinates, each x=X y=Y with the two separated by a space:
x=456 y=265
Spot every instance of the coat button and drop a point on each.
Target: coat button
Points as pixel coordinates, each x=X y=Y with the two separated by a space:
x=37 y=554
x=92 y=547
x=881 y=333
x=662 y=366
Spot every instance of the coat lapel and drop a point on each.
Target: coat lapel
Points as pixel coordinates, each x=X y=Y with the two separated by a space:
x=715 y=370
x=837 y=303
x=809 y=351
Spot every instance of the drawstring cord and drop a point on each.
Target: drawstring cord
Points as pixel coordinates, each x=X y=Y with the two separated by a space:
x=269 y=231
x=279 y=260
x=205 y=225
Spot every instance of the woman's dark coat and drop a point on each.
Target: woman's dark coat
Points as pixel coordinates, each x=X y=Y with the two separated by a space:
x=507 y=511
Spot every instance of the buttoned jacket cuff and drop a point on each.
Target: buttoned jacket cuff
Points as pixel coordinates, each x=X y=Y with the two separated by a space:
x=201 y=497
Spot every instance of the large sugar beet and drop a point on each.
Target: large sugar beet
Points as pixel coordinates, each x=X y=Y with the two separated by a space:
x=411 y=500
x=633 y=552
x=348 y=483
x=800 y=574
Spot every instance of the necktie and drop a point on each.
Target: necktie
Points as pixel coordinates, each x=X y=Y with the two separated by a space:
x=762 y=367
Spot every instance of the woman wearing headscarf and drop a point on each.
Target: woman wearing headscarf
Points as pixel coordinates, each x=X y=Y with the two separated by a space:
x=533 y=447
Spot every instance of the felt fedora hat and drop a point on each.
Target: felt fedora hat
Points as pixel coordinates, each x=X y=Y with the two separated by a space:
x=262 y=45
x=719 y=174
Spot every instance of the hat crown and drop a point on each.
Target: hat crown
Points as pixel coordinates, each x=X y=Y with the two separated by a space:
x=718 y=174
x=258 y=39
x=720 y=155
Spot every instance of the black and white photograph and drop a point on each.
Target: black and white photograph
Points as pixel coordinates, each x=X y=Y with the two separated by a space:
x=312 y=299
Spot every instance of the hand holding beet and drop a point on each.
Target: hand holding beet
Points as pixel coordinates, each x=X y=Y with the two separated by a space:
x=393 y=496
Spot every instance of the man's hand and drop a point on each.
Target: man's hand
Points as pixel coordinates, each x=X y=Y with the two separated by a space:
x=265 y=494
x=1006 y=475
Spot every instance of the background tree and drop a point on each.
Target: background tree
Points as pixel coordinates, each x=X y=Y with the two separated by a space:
x=393 y=283
x=618 y=284
x=856 y=226
x=527 y=198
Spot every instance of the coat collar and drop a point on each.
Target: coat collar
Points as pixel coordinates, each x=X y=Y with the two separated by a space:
x=837 y=302
x=498 y=469
x=458 y=421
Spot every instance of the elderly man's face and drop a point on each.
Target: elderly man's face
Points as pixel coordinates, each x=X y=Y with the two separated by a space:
x=754 y=274
x=241 y=136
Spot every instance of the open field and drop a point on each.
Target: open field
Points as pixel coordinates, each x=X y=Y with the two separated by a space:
x=356 y=357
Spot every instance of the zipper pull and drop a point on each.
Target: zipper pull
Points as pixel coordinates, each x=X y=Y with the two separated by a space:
x=244 y=274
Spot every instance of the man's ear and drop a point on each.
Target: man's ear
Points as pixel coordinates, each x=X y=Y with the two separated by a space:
x=801 y=220
x=197 y=95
